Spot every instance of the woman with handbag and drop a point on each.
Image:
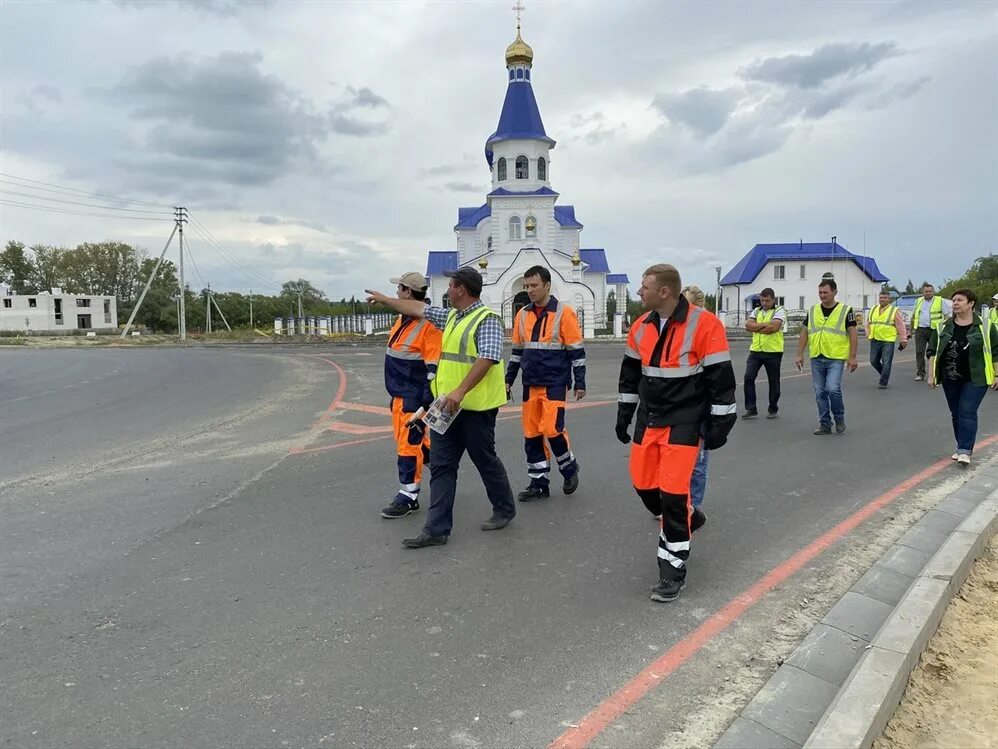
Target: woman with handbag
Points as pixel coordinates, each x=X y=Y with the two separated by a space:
x=963 y=353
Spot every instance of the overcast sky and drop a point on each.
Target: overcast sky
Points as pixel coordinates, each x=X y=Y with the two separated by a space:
x=335 y=140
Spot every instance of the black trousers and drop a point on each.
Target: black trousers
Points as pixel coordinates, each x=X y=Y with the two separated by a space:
x=756 y=361
x=922 y=336
x=474 y=431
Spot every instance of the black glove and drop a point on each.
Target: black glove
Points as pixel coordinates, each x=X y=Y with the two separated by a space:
x=625 y=413
x=717 y=432
x=417 y=430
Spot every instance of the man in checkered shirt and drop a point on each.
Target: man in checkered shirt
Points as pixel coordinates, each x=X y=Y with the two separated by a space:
x=473 y=430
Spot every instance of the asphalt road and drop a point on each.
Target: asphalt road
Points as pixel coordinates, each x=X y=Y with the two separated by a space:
x=191 y=553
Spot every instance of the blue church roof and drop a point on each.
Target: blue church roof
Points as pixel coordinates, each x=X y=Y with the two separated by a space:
x=502 y=191
x=617 y=278
x=469 y=218
x=565 y=215
x=520 y=118
x=596 y=260
x=752 y=264
x=440 y=260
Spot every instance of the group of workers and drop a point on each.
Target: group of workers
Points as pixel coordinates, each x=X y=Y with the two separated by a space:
x=676 y=388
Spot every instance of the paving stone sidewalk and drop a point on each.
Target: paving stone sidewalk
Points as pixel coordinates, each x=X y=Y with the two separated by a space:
x=841 y=685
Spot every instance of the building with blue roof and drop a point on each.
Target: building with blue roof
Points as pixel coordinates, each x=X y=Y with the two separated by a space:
x=794 y=271
x=520 y=224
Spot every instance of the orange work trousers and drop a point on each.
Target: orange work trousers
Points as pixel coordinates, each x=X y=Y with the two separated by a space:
x=661 y=465
x=544 y=424
x=411 y=448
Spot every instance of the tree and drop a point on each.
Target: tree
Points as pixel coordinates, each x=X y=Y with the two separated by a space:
x=17 y=269
x=311 y=297
x=981 y=278
x=910 y=288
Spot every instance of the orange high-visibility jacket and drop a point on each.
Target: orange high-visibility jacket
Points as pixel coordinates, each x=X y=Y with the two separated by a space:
x=679 y=373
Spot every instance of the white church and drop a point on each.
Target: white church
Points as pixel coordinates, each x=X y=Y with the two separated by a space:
x=520 y=223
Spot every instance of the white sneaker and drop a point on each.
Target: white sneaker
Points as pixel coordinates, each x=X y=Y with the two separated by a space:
x=919 y=378
x=963 y=460
x=956 y=456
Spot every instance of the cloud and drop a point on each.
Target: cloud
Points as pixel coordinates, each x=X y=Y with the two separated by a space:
x=278 y=221
x=900 y=92
x=710 y=129
x=463 y=187
x=593 y=128
x=825 y=63
x=225 y=120
x=703 y=110
x=204 y=7
x=343 y=116
x=223 y=114
x=44 y=91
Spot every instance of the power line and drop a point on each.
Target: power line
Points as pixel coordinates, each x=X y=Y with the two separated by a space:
x=49 y=187
x=190 y=256
x=53 y=209
x=87 y=205
x=230 y=257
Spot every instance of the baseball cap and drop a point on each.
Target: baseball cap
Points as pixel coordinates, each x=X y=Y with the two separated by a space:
x=469 y=277
x=411 y=280
x=995 y=297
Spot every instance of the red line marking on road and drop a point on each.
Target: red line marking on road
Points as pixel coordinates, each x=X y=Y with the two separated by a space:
x=348 y=428
x=337 y=399
x=326 y=448
x=365 y=408
x=600 y=718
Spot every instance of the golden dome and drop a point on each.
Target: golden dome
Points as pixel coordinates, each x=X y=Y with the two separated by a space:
x=576 y=259
x=519 y=52
x=483 y=263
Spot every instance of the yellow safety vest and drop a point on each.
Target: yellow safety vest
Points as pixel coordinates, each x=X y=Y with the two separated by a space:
x=881 y=327
x=989 y=362
x=827 y=336
x=935 y=312
x=994 y=316
x=770 y=343
x=458 y=353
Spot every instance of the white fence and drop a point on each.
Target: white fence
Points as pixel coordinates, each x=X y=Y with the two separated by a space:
x=334 y=325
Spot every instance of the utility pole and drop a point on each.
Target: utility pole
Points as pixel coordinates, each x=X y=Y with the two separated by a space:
x=181 y=219
x=207 y=314
x=145 y=289
x=299 y=306
x=251 y=309
x=717 y=299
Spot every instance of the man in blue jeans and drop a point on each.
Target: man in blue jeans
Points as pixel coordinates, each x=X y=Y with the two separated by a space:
x=829 y=333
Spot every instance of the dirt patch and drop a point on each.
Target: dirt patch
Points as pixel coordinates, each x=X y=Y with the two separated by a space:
x=952 y=695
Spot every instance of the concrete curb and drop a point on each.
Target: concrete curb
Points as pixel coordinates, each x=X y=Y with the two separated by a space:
x=842 y=684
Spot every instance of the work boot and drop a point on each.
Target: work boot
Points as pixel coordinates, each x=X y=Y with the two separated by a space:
x=698 y=520
x=399 y=509
x=424 y=539
x=670 y=582
x=495 y=523
x=772 y=415
x=840 y=427
x=823 y=429
x=882 y=386
x=532 y=493
x=571 y=484
x=749 y=413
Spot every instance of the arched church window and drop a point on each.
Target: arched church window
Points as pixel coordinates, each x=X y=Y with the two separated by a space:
x=514 y=228
x=542 y=169
x=522 y=170
x=488 y=243
x=531 y=226
x=501 y=170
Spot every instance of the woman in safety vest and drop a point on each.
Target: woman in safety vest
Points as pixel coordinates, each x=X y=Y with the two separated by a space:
x=963 y=352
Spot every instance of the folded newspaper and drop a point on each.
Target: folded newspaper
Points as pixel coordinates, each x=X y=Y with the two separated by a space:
x=439 y=418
